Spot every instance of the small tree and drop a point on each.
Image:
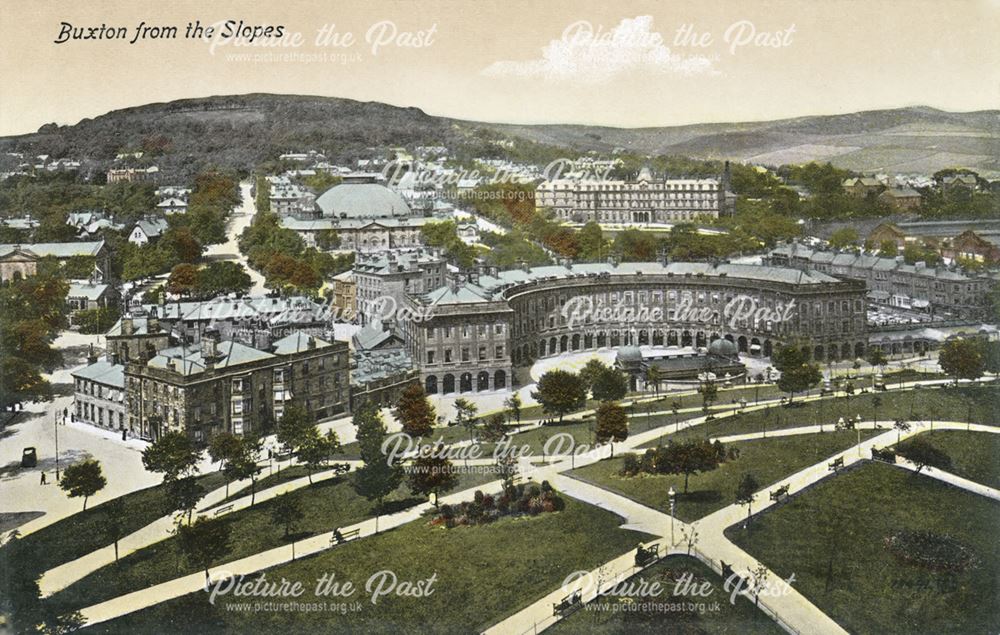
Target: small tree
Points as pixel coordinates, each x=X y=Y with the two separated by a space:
x=675 y=408
x=654 y=376
x=560 y=392
x=113 y=522
x=83 y=479
x=690 y=457
x=495 y=428
x=294 y=427
x=223 y=448
x=612 y=423
x=315 y=450
x=962 y=359
x=286 y=511
x=173 y=454
x=506 y=470
x=204 y=542
x=876 y=404
x=610 y=384
x=379 y=476
x=900 y=426
x=465 y=415
x=709 y=393
x=414 y=412
x=923 y=454
x=513 y=405
x=591 y=371
x=758 y=579
x=876 y=358
x=797 y=374
x=433 y=474
x=183 y=495
x=243 y=465
x=746 y=492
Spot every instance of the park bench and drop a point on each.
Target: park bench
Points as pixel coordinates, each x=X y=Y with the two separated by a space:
x=836 y=464
x=728 y=574
x=223 y=510
x=645 y=555
x=568 y=604
x=886 y=456
x=777 y=494
x=340 y=537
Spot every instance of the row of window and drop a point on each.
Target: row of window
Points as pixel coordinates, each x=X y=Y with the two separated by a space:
x=465 y=354
x=464 y=331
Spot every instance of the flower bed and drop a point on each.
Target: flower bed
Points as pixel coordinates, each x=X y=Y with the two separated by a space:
x=930 y=550
x=517 y=500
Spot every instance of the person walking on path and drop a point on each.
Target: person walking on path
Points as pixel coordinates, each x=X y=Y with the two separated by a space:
x=43 y=477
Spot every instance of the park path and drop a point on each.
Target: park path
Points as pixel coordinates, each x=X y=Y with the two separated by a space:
x=106 y=610
x=67 y=573
x=791 y=610
x=158 y=593
x=62 y=576
x=952 y=479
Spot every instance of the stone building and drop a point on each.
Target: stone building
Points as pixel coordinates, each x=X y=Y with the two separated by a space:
x=22 y=260
x=644 y=200
x=468 y=337
x=366 y=215
x=384 y=279
x=893 y=282
x=225 y=386
x=99 y=394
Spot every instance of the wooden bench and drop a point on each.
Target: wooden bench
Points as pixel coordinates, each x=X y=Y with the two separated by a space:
x=645 y=555
x=340 y=537
x=223 y=510
x=836 y=464
x=568 y=604
x=777 y=494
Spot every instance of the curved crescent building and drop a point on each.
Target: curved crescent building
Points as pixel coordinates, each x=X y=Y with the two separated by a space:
x=467 y=337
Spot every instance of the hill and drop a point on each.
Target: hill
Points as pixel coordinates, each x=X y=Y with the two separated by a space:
x=241 y=131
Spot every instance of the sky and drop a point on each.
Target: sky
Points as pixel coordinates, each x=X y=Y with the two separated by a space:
x=625 y=63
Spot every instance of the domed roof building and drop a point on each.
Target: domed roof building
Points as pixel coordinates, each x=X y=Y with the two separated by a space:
x=723 y=348
x=362 y=200
x=365 y=214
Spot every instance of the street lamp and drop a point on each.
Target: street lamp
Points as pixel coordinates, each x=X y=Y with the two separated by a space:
x=857 y=427
x=55 y=425
x=673 y=496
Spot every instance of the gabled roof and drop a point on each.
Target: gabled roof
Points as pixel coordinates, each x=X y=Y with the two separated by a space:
x=298 y=342
x=56 y=250
x=103 y=372
x=152 y=227
x=189 y=360
x=86 y=290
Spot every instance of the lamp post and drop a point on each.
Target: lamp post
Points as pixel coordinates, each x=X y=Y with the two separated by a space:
x=55 y=425
x=857 y=427
x=673 y=496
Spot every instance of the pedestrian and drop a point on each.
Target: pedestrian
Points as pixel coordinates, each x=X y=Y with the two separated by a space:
x=43 y=477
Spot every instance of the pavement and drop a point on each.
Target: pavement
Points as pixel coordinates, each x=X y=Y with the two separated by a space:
x=35 y=427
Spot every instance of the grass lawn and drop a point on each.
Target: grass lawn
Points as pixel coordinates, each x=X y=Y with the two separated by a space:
x=599 y=617
x=326 y=505
x=483 y=575
x=769 y=460
x=948 y=403
x=974 y=455
x=833 y=539
x=81 y=533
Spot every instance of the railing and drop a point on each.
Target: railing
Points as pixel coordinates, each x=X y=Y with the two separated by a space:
x=760 y=603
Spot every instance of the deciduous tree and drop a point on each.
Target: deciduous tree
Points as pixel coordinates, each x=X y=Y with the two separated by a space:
x=560 y=392
x=83 y=479
x=611 y=424
x=415 y=412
